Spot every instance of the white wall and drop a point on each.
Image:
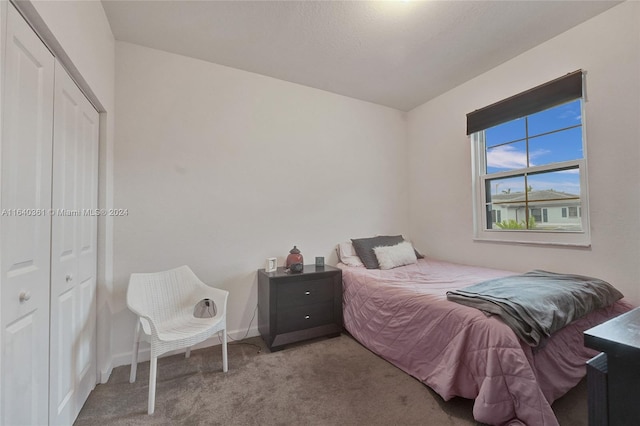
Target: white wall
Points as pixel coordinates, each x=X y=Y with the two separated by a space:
x=80 y=36
x=220 y=169
x=608 y=48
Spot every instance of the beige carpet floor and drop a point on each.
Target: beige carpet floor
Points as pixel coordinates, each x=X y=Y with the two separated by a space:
x=323 y=382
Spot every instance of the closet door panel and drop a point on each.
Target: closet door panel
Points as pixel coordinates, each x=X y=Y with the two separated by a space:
x=73 y=253
x=63 y=252
x=88 y=192
x=87 y=250
x=87 y=243
x=86 y=352
x=64 y=354
x=25 y=224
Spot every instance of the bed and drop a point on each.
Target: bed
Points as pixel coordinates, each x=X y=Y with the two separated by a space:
x=403 y=315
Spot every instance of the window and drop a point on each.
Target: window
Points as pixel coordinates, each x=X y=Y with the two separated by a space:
x=540 y=215
x=530 y=166
x=573 y=212
x=496 y=216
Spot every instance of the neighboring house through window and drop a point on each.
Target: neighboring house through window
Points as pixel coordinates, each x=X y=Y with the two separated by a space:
x=529 y=175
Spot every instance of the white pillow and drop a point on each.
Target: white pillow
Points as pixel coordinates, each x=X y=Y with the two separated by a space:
x=347 y=254
x=390 y=257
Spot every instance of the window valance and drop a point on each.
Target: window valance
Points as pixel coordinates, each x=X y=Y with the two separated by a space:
x=541 y=97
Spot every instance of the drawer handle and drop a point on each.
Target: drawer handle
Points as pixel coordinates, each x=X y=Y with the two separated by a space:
x=307 y=317
x=307 y=293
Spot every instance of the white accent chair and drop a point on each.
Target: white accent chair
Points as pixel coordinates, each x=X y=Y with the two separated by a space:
x=164 y=303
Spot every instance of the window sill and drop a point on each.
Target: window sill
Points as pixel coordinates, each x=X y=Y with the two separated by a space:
x=567 y=244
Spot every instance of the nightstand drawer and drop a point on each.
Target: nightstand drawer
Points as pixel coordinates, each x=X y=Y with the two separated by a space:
x=303 y=317
x=303 y=293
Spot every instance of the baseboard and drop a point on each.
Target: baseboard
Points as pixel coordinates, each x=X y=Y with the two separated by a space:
x=105 y=374
x=144 y=354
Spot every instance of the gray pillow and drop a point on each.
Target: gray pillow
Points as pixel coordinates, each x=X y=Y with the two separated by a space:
x=364 y=248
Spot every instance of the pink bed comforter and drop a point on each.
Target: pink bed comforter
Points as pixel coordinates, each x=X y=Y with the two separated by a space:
x=403 y=315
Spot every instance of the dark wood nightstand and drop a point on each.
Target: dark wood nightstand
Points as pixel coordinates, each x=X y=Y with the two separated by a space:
x=296 y=307
x=614 y=376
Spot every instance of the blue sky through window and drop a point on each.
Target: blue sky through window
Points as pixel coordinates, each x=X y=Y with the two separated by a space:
x=554 y=135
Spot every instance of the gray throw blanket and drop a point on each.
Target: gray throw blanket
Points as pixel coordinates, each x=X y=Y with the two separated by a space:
x=538 y=303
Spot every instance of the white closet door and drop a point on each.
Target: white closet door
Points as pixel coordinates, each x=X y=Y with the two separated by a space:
x=25 y=225
x=73 y=251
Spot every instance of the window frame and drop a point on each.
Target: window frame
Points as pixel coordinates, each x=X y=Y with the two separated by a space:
x=580 y=238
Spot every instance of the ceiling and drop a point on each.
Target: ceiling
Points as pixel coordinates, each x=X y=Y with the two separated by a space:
x=394 y=53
